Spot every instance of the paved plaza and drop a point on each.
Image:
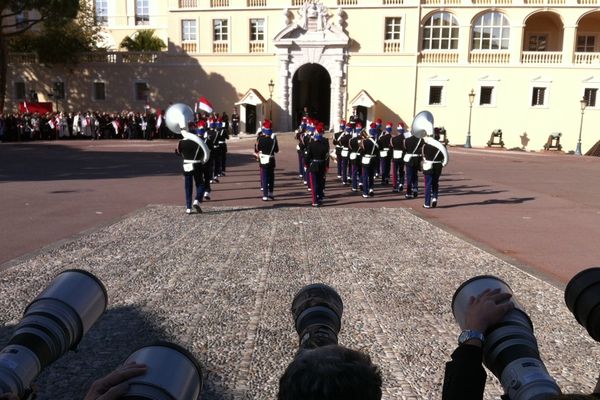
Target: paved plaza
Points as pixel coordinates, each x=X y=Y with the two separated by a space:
x=221 y=283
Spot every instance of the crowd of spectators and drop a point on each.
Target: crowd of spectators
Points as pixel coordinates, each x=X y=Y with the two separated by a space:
x=83 y=125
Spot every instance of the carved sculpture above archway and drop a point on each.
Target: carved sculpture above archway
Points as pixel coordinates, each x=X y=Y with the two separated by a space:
x=317 y=39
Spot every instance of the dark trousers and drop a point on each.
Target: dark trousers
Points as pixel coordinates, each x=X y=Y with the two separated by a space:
x=267 y=179
x=217 y=157
x=397 y=174
x=301 y=171
x=208 y=174
x=356 y=173
x=384 y=167
x=412 y=177
x=197 y=176
x=368 y=178
x=317 y=186
x=432 y=184
x=338 y=153
x=344 y=163
x=223 y=159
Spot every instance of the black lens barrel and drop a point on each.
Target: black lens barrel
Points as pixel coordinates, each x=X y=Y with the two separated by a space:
x=582 y=296
x=317 y=310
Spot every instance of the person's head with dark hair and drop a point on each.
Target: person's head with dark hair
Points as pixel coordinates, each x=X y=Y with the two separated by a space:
x=331 y=373
x=574 y=397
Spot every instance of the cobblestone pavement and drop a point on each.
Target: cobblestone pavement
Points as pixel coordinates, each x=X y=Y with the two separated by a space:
x=221 y=284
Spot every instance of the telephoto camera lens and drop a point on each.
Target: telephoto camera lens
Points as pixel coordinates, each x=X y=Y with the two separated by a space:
x=510 y=349
x=173 y=374
x=317 y=311
x=53 y=323
x=582 y=296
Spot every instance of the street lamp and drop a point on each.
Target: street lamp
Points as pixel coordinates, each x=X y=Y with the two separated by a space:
x=471 y=99
x=271 y=87
x=583 y=104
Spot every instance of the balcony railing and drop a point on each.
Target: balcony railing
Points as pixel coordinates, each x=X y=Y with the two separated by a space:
x=297 y=3
x=541 y=57
x=121 y=57
x=440 y=2
x=219 y=3
x=189 y=47
x=587 y=58
x=257 y=47
x=188 y=3
x=439 y=57
x=489 y=57
x=393 y=2
x=220 y=47
x=256 y=3
x=492 y=2
x=347 y=2
x=391 y=46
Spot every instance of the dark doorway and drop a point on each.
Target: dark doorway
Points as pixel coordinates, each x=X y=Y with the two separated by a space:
x=250 y=118
x=361 y=114
x=312 y=89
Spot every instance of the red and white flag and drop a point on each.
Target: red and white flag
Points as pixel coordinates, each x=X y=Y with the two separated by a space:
x=51 y=123
x=205 y=105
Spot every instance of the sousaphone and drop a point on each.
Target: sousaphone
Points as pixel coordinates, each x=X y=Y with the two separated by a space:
x=178 y=117
x=422 y=128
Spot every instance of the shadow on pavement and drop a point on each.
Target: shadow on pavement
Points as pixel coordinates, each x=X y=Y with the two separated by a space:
x=118 y=332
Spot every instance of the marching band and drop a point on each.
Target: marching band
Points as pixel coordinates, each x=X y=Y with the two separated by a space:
x=360 y=155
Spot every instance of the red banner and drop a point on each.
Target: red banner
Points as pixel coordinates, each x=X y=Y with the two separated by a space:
x=41 y=108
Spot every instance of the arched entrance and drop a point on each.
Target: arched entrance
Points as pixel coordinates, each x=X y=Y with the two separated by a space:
x=312 y=89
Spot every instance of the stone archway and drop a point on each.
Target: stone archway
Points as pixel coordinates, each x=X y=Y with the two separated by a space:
x=319 y=41
x=312 y=89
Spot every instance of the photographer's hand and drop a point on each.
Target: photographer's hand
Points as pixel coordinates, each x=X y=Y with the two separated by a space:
x=113 y=385
x=487 y=309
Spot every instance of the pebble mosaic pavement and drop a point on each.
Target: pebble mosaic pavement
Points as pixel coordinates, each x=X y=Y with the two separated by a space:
x=221 y=284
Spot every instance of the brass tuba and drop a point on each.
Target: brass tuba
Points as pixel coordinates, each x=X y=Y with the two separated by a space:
x=422 y=125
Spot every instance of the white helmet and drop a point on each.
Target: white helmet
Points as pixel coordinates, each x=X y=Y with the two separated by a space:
x=178 y=116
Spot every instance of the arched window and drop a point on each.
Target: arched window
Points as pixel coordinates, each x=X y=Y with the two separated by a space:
x=440 y=32
x=491 y=31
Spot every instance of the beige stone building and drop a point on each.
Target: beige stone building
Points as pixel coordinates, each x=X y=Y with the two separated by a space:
x=528 y=62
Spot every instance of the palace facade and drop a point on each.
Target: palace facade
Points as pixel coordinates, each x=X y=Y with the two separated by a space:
x=527 y=63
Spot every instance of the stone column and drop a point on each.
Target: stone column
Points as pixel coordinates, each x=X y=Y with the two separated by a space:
x=516 y=44
x=337 y=95
x=569 y=42
x=464 y=44
x=285 y=122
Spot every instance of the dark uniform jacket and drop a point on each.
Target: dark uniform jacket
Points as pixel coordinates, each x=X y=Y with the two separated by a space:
x=354 y=145
x=432 y=153
x=413 y=146
x=370 y=147
x=336 y=142
x=384 y=142
x=267 y=145
x=191 y=151
x=317 y=155
x=397 y=143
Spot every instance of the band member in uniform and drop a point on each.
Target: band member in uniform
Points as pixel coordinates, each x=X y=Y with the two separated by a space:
x=194 y=151
x=412 y=161
x=267 y=147
x=385 y=154
x=235 y=122
x=369 y=149
x=355 y=156
x=398 y=150
x=435 y=157
x=204 y=134
x=338 y=147
x=216 y=157
x=317 y=158
x=344 y=141
x=222 y=137
x=300 y=132
x=306 y=139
